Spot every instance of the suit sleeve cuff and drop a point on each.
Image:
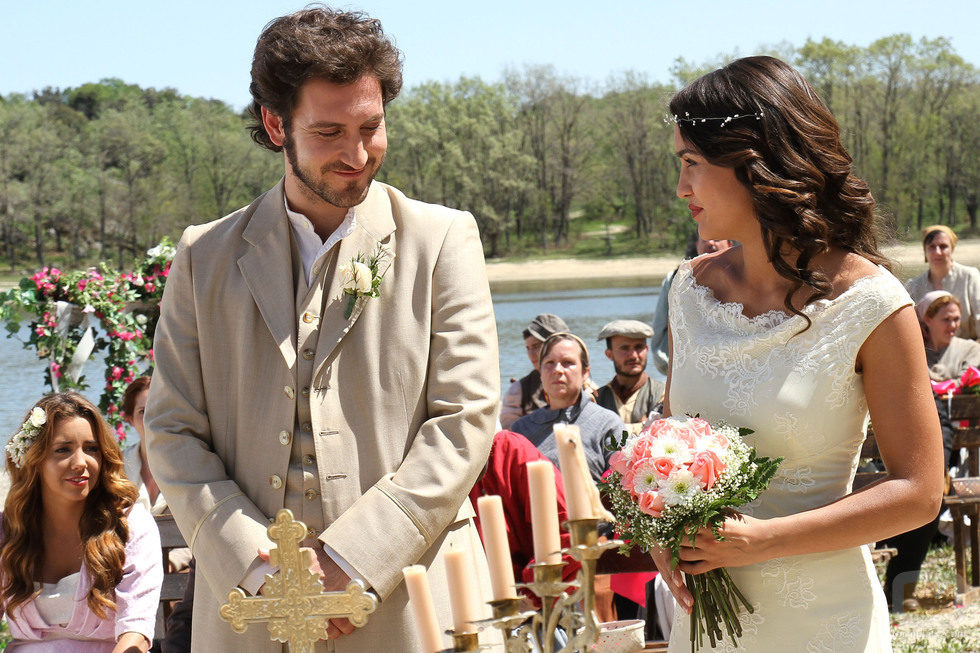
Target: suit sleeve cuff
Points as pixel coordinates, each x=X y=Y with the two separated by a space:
x=255 y=576
x=344 y=565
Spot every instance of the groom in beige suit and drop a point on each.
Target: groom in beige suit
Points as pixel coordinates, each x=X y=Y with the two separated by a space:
x=370 y=419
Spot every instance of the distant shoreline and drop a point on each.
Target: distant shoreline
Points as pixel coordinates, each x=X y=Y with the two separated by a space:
x=542 y=274
x=570 y=273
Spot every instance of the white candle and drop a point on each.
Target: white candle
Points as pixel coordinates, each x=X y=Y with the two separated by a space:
x=544 y=511
x=574 y=471
x=423 y=609
x=459 y=573
x=494 y=528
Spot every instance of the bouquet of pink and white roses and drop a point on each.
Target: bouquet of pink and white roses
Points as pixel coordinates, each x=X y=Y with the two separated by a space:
x=675 y=477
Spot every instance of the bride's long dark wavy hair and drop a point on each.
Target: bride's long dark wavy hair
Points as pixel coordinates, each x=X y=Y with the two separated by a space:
x=799 y=175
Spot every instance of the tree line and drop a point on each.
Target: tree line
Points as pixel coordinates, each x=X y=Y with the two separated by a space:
x=103 y=171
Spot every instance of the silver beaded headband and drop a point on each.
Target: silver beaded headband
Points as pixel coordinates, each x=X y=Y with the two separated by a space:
x=723 y=119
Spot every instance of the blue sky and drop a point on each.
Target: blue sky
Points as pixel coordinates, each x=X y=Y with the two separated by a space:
x=204 y=48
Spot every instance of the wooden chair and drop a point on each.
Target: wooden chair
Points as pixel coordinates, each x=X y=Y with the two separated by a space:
x=174 y=583
x=964 y=413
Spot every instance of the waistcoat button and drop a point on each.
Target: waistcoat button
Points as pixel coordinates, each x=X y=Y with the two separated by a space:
x=275 y=482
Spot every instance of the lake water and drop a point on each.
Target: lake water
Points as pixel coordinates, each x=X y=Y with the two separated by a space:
x=584 y=310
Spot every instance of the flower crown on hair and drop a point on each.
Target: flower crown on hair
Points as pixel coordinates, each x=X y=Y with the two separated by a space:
x=723 y=119
x=24 y=438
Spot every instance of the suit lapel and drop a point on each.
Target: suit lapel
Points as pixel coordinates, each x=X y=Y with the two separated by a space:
x=267 y=270
x=374 y=225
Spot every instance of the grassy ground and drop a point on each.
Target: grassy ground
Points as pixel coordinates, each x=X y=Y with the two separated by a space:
x=940 y=627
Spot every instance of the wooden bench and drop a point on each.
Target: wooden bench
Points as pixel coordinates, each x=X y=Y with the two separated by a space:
x=174 y=583
x=964 y=413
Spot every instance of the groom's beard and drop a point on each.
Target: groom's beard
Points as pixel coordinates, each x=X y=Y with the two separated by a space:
x=350 y=195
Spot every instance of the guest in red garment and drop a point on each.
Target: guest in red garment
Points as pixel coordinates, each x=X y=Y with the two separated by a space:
x=506 y=476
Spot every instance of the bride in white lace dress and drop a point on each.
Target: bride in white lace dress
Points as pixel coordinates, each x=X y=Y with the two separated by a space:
x=796 y=333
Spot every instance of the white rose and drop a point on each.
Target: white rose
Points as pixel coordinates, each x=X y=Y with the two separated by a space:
x=357 y=277
x=166 y=251
x=38 y=417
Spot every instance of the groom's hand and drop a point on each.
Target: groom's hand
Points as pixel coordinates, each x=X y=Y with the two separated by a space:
x=333 y=579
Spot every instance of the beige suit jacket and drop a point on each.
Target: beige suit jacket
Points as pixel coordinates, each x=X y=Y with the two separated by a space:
x=404 y=400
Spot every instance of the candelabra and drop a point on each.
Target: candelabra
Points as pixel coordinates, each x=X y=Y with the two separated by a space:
x=534 y=631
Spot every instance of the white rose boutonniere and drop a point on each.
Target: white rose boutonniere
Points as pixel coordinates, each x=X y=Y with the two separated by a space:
x=362 y=276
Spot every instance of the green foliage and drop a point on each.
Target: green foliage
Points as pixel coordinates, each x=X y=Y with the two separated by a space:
x=548 y=163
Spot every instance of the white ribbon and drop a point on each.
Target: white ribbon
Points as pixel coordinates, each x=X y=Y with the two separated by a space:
x=65 y=314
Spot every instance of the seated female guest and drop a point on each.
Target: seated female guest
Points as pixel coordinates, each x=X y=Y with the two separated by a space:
x=80 y=567
x=948 y=357
x=564 y=376
x=962 y=281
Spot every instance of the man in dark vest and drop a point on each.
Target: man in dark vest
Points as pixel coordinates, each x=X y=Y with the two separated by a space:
x=632 y=394
x=526 y=395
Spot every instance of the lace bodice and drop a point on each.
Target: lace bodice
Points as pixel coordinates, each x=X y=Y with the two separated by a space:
x=800 y=393
x=798 y=390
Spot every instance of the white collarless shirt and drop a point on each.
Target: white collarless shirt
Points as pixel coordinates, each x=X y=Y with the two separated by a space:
x=311 y=248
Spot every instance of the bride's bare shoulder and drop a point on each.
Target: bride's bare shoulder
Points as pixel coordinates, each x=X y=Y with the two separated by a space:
x=847 y=268
x=715 y=268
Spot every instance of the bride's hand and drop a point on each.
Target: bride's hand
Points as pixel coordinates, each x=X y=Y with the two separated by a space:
x=745 y=543
x=673 y=578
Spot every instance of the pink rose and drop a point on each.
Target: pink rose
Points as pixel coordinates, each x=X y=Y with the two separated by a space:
x=116 y=373
x=651 y=503
x=718 y=440
x=706 y=467
x=627 y=482
x=700 y=427
x=641 y=449
x=664 y=466
x=618 y=462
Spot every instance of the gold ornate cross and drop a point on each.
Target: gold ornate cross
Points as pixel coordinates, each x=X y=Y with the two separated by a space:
x=294 y=606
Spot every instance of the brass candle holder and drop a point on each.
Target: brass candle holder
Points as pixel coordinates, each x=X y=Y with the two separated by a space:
x=534 y=632
x=466 y=642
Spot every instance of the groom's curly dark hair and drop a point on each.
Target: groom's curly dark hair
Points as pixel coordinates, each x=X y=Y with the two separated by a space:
x=791 y=159
x=317 y=43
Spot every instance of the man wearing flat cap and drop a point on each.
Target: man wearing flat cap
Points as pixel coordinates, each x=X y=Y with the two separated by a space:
x=632 y=394
x=526 y=394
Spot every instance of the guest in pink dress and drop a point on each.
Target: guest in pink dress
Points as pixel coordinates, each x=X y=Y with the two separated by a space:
x=80 y=565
